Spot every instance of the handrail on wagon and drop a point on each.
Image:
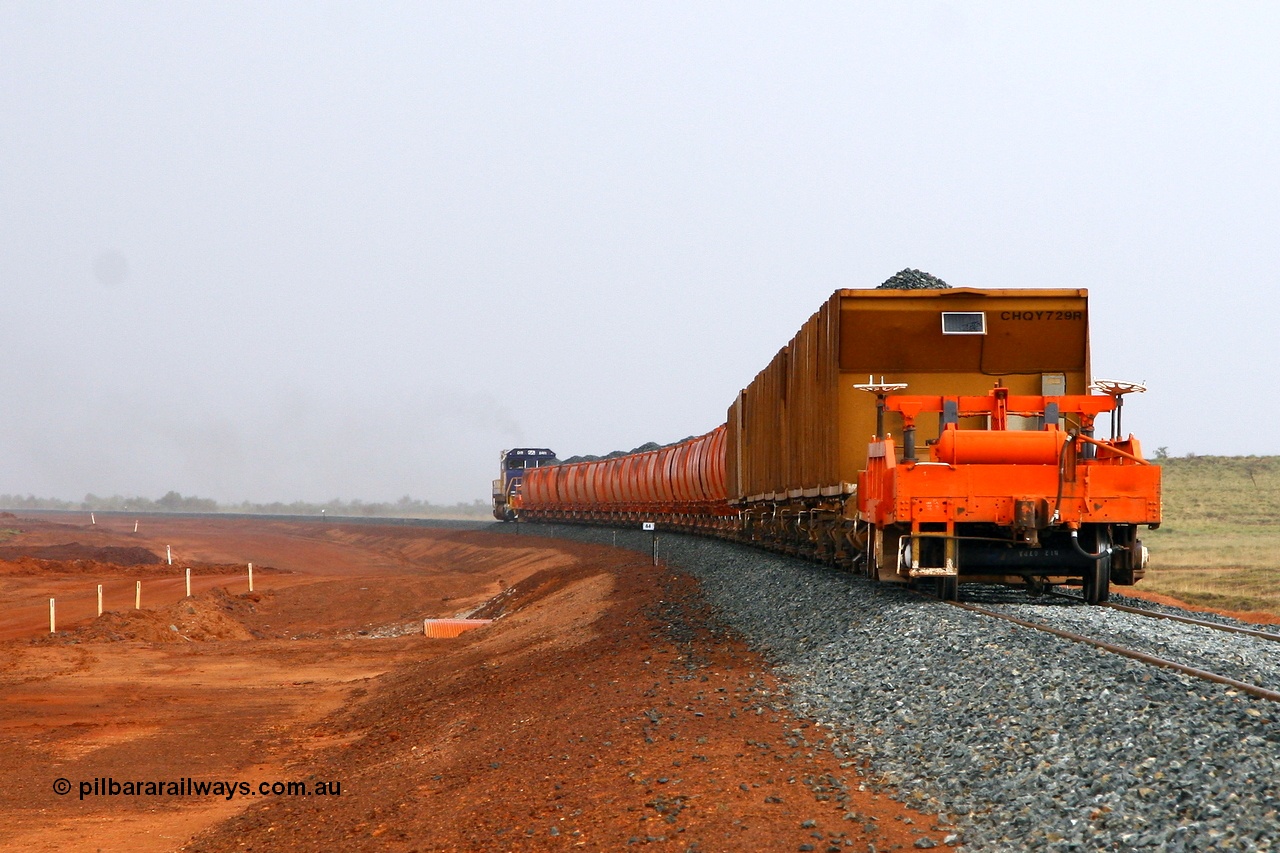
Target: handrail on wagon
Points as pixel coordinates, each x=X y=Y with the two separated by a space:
x=1111 y=448
x=1090 y=405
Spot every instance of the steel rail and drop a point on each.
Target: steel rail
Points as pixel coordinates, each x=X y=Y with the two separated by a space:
x=1244 y=687
x=1156 y=614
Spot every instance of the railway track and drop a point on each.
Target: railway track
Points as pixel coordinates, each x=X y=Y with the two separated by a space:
x=1218 y=626
x=1024 y=740
x=1183 y=649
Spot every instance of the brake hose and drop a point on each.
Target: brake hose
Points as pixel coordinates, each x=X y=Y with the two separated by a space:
x=1075 y=543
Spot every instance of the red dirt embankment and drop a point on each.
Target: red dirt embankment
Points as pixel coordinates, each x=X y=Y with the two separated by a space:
x=602 y=709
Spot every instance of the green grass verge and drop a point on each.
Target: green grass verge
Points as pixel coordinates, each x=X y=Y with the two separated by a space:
x=1219 y=545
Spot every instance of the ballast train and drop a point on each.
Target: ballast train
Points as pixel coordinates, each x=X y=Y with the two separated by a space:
x=943 y=435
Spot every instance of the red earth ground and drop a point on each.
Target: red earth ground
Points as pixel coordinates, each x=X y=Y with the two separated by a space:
x=1256 y=617
x=603 y=709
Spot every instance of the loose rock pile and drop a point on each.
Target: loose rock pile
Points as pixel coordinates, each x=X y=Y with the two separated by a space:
x=644 y=448
x=910 y=279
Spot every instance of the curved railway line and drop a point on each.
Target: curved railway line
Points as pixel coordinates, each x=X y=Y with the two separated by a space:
x=1180 y=642
x=1265 y=635
x=1026 y=740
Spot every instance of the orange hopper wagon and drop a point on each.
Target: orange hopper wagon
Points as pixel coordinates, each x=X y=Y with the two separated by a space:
x=983 y=465
x=1043 y=506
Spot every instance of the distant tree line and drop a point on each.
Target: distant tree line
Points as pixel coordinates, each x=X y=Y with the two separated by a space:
x=406 y=507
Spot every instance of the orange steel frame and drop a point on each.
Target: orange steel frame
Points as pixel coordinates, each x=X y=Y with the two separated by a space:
x=1032 y=490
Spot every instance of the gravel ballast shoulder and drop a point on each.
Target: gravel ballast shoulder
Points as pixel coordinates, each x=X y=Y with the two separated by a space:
x=1252 y=660
x=1028 y=741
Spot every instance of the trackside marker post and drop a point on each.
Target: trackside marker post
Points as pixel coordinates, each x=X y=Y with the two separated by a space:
x=137 y=596
x=188 y=583
x=251 y=577
x=51 y=616
x=168 y=550
x=99 y=599
x=135 y=526
x=653 y=528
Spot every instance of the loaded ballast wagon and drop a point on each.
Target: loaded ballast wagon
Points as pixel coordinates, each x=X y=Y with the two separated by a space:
x=944 y=435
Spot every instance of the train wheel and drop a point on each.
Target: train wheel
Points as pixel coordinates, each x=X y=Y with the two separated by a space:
x=949 y=588
x=1126 y=561
x=1097 y=582
x=871 y=564
x=882 y=553
x=1097 y=579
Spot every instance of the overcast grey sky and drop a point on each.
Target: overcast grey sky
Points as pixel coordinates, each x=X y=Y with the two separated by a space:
x=271 y=250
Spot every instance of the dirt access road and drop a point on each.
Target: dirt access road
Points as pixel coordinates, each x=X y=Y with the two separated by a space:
x=602 y=709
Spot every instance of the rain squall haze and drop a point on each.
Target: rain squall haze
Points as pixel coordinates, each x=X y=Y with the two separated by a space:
x=295 y=251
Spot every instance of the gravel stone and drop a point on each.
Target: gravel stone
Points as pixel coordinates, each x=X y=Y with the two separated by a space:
x=1024 y=740
x=910 y=279
x=1249 y=659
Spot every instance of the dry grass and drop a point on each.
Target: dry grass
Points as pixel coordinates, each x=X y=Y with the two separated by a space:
x=1219 y=545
